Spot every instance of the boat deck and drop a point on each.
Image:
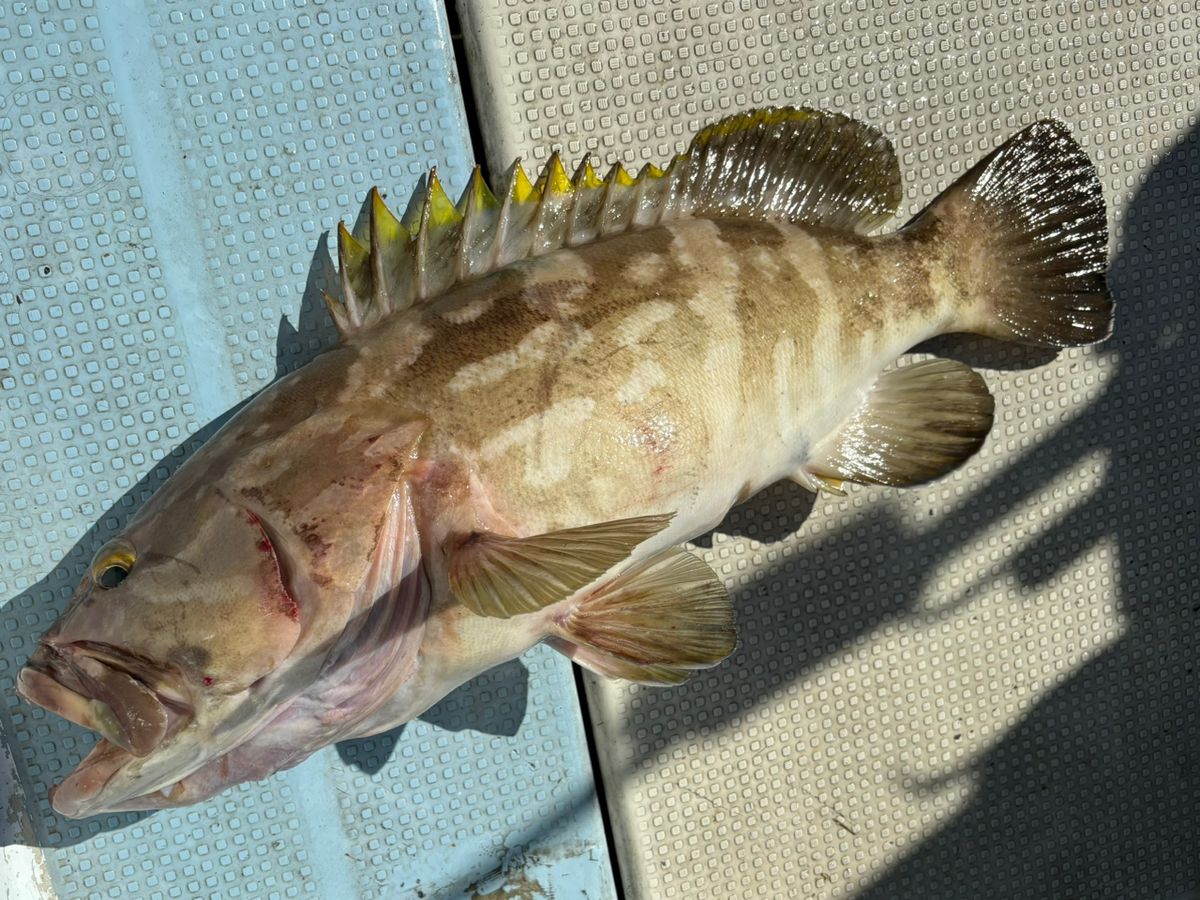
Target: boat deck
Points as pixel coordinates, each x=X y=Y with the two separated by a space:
x=985 y=687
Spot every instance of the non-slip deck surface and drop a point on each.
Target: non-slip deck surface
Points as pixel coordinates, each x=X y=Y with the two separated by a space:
x=166 y=173
x=986 y=687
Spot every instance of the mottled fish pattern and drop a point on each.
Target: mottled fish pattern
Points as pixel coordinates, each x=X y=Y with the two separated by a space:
x=538 y=397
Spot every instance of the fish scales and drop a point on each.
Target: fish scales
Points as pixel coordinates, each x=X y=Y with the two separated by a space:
x=535 y=401
x=726 y=294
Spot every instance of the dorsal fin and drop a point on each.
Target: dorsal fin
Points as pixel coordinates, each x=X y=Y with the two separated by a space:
x=799 y=165
x=802 y=165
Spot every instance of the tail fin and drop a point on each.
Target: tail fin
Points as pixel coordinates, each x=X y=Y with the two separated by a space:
x=1030 y=241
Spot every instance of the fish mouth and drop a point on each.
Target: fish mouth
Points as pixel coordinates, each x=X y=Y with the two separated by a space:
x=136 y=706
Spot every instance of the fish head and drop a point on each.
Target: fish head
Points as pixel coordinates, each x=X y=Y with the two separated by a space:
x=260 y=605
x=176 y=631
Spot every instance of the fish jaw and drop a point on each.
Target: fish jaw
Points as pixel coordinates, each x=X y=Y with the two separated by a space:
x=140 y=749
x=134 y=705
x=219 y=737
x=73 y=797
x=104 y=780
x=228 y=739
x=137 y=707
x=111 y=779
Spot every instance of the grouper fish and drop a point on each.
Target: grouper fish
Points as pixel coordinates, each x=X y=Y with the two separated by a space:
x=538 y=396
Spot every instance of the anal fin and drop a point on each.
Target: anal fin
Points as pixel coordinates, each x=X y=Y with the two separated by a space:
x=655 y=624
x=917 y=423
x=609 y=666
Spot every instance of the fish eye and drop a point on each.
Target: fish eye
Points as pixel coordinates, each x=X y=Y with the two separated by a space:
x=112 y=576
x=112 y=563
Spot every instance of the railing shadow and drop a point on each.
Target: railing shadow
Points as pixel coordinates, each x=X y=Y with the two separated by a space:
x=1096 y=791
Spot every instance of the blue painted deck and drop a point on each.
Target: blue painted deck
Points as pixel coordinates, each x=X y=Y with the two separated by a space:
x=167 y=171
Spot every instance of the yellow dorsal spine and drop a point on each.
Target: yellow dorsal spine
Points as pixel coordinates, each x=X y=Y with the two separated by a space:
x=763 y=164
x=352 y=262
x=388 y=242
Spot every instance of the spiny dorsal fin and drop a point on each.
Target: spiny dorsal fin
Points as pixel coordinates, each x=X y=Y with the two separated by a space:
x=801 y=165
x=480 y=210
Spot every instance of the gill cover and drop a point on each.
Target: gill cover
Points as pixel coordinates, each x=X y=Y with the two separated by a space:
x=212 y=602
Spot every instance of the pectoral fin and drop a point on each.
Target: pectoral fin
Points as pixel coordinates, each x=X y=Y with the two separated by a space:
x=499 y=576
x=655 y=624
x=916 y=424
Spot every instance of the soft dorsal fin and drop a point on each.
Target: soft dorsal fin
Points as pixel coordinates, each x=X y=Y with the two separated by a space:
x=799 y=165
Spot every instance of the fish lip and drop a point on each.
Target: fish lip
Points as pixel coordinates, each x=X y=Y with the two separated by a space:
x=166 y=681
x=135 y=704
x=83 y=792
x=75 y=796
x=63 y=678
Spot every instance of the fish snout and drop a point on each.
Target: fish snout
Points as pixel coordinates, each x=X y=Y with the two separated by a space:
x=134 y=705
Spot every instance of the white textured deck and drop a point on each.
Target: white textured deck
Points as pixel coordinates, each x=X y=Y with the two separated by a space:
x=982 y=688
x=167 y=170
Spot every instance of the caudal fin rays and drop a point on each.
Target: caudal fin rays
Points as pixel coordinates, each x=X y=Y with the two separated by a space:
x=1030 y=241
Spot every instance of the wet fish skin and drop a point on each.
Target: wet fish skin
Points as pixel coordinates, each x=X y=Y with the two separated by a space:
x=300 y=579
x=724 y=370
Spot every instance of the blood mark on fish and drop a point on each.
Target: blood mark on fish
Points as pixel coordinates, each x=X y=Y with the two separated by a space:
x=277 y=597
x=655 y=435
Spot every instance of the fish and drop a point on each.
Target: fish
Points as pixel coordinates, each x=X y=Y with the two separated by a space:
x=538 y=396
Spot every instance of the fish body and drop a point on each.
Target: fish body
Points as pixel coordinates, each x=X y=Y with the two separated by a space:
x=677 y=368
x=515 y=451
